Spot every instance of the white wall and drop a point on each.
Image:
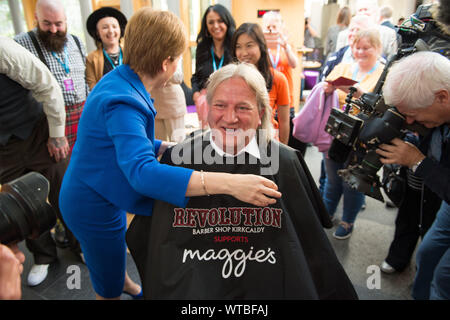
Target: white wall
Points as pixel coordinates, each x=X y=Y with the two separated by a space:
x=324 y=15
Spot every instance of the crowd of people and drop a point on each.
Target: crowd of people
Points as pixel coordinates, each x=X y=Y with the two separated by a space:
x=107 y=130
x=360 y=54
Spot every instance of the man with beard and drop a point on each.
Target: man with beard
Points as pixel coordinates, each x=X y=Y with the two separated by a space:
x=65 y=57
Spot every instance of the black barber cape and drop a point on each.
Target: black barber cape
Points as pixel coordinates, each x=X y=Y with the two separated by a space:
x=221 y=248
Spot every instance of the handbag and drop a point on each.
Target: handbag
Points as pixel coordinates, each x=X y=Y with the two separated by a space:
x=309 y=124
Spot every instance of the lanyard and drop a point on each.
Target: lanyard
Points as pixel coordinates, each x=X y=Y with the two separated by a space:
x=214 y=60
x=65 y=65
x=277 y=59
x=110 y=60
x=355 y=72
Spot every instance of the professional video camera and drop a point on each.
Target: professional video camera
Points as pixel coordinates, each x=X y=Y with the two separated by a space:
x=24 y=211
x=377 y=123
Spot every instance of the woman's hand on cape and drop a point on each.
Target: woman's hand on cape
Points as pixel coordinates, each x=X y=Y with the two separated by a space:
x=254 y=189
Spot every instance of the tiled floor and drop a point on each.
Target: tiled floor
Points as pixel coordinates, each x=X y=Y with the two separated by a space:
x=61 y=283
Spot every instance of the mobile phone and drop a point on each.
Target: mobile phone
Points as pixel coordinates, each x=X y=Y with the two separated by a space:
x=271 y=39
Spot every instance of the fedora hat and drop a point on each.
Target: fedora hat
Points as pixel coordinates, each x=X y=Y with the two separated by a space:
x=94 y=17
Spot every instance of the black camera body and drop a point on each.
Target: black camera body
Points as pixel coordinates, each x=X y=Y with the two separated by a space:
x=357 y=137
x=344 y=127
x=24 y=211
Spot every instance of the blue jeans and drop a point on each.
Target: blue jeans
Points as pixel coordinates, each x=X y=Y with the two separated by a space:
x=432 y=279
x=323 y=177
x=335 y=187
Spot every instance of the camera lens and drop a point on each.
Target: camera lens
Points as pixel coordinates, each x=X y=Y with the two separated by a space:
x=24 y=211
x=371 y=163
x=363 y=177
x=338 y=151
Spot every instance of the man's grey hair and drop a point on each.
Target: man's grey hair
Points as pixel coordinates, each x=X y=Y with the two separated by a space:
x=414 y=80
x=372 y=5
x=386 y=12
x=257 y=84
x=361 y=21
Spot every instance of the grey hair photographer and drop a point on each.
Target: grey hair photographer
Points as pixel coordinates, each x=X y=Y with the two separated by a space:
x=419 y=86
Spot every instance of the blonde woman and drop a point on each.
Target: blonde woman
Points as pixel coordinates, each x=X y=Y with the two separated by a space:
x=365 y=70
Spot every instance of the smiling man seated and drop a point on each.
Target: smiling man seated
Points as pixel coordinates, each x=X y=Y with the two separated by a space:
x=220 y=248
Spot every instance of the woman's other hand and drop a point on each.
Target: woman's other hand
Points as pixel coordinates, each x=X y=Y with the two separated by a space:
x=254 y=189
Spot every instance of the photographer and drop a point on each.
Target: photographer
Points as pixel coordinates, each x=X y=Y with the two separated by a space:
x=419 y=87
x=11 y=267
x=32 y=118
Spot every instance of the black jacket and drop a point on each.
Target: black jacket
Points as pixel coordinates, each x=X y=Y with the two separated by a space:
x=436 y=175
x=19 y=111
x=204 y=66
x=220 y=248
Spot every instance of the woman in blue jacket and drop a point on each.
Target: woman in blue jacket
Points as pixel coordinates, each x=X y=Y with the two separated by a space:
x=114 y=167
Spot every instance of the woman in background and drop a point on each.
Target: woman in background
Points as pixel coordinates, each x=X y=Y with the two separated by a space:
x=284 y=59
x=170 y=105
x=213 y=52
x=343 y=21
x=249 y=45
x=366 y=70
x=107 y=26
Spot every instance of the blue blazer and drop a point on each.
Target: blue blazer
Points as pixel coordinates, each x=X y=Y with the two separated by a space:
x=115 y=152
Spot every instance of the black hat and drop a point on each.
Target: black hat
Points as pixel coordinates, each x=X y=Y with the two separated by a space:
x=91 y=23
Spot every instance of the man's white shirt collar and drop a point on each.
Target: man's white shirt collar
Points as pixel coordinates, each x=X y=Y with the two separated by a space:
x=251 y=148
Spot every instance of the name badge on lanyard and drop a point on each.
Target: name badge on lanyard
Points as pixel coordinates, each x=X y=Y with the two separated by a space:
x=356 y=71
x=214 y=60
x=109 y=58
x=277 y=59
x=68 y=82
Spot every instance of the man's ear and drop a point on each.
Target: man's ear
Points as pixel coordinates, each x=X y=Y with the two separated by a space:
x=442 y=96
x=261 y=114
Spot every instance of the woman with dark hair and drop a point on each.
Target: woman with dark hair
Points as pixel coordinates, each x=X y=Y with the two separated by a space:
x=213 y=52
x=249 y=45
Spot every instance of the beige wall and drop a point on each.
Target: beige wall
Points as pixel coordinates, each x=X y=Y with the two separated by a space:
x=401 y=8
x=292 y=12
x=324 y=16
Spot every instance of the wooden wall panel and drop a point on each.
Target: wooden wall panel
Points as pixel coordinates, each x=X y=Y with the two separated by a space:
x=29 y=7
